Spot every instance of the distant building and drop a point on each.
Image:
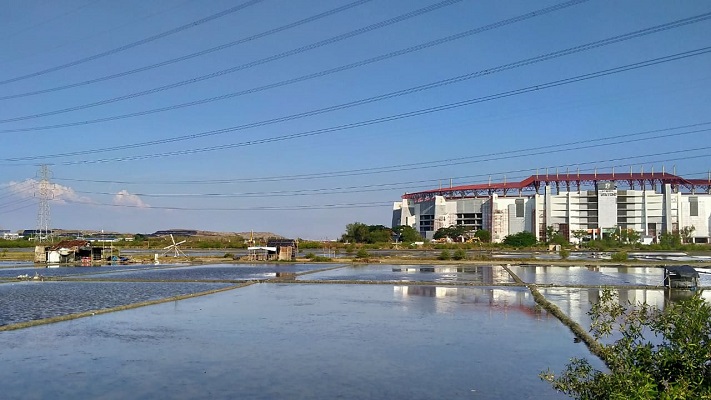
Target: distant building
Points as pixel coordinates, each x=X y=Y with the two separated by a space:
x=286 y=249
x=596 y=204
x=7 y=235
x=32 y=234
x=103 y=237
x=176 y=232
x=70 y=251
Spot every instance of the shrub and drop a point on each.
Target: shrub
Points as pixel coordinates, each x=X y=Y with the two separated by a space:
x=619 y=256
x=362 y=253
x=521 y=239
x=350 y=249
x=310 y=256
x=659 y=354
x=460 y=254
x=564 y=254
x=444 y=255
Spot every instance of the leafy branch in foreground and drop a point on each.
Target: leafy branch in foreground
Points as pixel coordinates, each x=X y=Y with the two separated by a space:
x=659 y=354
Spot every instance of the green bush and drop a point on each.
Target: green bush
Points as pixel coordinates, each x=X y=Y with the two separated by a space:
x=444 y=255
x=564 y=254
x=350 y=249
x=310 y=256
x=308 y=244
x=362 y=253
x=460 y=254
x=521 y=239
x=619 y=256
x=660 y=354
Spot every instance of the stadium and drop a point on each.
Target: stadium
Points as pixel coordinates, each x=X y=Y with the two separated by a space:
x=578 y=206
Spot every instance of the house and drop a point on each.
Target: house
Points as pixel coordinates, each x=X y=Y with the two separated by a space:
x=70 y=251
x=261 y=253
x=286 y=249
x=7 y=235
x=681 y=277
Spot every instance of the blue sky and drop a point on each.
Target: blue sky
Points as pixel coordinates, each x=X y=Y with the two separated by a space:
x=230 y=164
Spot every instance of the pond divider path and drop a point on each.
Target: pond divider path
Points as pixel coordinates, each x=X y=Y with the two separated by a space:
x=593 y=345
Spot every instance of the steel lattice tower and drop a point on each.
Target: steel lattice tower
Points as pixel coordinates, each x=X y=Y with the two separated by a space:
x=45 y=193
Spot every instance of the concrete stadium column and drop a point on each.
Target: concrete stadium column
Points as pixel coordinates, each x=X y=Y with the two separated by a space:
x=666 y=206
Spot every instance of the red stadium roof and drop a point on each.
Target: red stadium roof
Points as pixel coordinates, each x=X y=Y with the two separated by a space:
x=534 y=182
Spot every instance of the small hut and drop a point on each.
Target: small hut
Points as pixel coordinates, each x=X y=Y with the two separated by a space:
x=70 y=251
x=286 y=249
x=681 y=277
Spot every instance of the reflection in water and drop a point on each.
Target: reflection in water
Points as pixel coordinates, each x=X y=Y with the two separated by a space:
x=577 y=302
x=445 y=299
x=593 y=275
x=296 y=341
x=487 y=274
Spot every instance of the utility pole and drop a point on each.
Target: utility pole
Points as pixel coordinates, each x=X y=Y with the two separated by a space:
x=45 y=194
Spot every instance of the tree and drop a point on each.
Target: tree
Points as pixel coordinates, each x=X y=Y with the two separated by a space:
x=675 y=364
x=359 y=232
x=379 y=234
x=550 y=232
x=483 y=235
x=451 y=232
x=580 y=234
x=521 y=239
x=407 y=234
x=686 y=233
x=356 y=232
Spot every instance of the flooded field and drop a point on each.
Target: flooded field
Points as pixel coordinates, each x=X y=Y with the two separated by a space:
x=298 y=342
x=435 y=339
x=28 y=301
x=206 y=272
x=596 y=275
x=490 y=274
x=211 y=272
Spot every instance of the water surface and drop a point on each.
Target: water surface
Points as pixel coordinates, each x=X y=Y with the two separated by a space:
x=299 y=342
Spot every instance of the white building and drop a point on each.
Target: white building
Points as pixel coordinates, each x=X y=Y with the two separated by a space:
x=596 y=203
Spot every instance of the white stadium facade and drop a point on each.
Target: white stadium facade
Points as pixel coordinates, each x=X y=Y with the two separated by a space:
x=599 y=203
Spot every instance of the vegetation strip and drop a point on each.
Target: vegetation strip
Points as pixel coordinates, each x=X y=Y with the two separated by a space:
x=320 y=270
x=22 y=325
x=401 y=283
x=593 y=345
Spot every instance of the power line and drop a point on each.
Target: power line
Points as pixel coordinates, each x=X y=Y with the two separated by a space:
x=407 y=184
x=94 y=35
x=259 y=208
x=43 y=22
x=136 y=43
x=444 y=82
x=289 y=53
x=399 y=167
x=311 y=76
x=193 y=55
x=390 y=95
x=16 y=209
x=256 y=208
x=375 y=121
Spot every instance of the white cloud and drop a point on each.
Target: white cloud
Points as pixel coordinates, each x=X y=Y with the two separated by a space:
x=124 y=198
x=57 y=193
